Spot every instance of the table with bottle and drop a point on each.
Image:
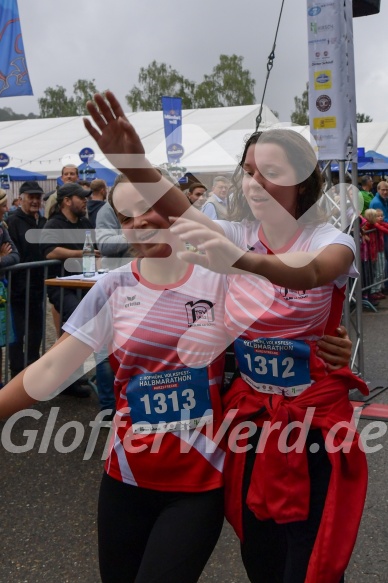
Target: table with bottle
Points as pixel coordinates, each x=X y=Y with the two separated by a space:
x=89 y=275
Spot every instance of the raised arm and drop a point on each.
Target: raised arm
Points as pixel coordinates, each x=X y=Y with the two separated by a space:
x=117 y=138
x=43 y=377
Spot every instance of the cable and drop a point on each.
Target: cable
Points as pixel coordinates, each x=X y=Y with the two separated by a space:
x=270 y=61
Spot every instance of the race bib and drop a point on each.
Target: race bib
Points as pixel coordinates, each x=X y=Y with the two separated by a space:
x=169 y=400
x=274 y=365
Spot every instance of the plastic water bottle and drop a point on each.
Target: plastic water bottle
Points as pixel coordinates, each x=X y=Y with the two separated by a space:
x=88 y=257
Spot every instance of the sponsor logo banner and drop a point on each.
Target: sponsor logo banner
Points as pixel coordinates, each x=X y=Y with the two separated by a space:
x=172 y=116
x=332 y=102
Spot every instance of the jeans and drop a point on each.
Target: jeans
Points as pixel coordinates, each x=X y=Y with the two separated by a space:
x=35 y=331
x=104 y=380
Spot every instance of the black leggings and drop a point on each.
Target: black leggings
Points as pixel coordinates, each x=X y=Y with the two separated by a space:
x=147 y=536
x=280 y=553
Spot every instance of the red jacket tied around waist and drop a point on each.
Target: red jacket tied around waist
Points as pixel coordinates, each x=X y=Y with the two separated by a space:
x=280 y=485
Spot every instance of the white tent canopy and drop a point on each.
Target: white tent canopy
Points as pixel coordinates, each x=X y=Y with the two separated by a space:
x=212 y=139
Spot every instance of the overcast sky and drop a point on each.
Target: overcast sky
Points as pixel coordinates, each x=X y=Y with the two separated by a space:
x=67 y=40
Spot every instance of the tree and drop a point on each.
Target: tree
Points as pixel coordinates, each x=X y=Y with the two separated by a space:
x=83 y=92
x=7 y=114
x=363 y=118
x=56 y=103
x=301 y=114
x=156 y=80
x=229 y=84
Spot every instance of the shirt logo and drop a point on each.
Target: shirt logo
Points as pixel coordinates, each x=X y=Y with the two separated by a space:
x=202 y=310
x=131 y=302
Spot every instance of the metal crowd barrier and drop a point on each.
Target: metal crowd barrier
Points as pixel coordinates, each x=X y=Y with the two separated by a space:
x=368 y=270
x=6 y=275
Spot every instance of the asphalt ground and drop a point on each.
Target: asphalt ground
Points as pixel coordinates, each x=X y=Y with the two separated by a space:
x=48 y=499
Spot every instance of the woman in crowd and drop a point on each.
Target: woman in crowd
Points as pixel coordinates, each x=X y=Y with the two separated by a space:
x=296 y=513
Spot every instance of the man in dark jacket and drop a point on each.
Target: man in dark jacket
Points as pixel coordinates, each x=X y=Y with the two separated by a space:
x=63 y=238
x=25 y=218
x=97 y=199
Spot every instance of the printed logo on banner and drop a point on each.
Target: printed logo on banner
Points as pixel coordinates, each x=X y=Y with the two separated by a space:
x=200 y=310
x=172 y=116
x=315 y=29
x=314 y=11
x=324 y=123
x=323 y=103
x=316 y=41
x=175 y=151
x=322 y=80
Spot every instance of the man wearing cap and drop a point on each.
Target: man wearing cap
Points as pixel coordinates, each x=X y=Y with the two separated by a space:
x=63 y=238
x=24 y=219
x=69 y=175
x=97 y=199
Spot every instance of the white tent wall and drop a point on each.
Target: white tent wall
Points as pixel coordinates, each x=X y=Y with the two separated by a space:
x=43 y=145
x=213 y=139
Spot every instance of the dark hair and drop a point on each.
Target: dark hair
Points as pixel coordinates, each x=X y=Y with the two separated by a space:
x=365 y=179
x=302 y=158
x=195 y=185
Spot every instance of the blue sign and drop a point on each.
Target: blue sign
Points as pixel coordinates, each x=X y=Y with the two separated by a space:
x=175 y=152
x=86 y=155
x=172 y=116
x=314 y=11
x=14 y=78
x=322 y=78
x=4 y=160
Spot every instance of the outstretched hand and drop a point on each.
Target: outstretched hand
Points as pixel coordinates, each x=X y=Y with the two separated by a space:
x=217 y=253
x=115 y=136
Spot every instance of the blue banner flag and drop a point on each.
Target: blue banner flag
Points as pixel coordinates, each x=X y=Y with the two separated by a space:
x=172 y=116
x=14 y=78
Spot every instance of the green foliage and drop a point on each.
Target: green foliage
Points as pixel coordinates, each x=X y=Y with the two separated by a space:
x=301 y=114
x=157 y=80
x=363 y=118
x=56 y=103
x=7 y=114
x=84 y=91
x=228 y=84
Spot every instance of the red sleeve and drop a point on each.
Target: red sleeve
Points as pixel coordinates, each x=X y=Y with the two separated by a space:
x=382 y=227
